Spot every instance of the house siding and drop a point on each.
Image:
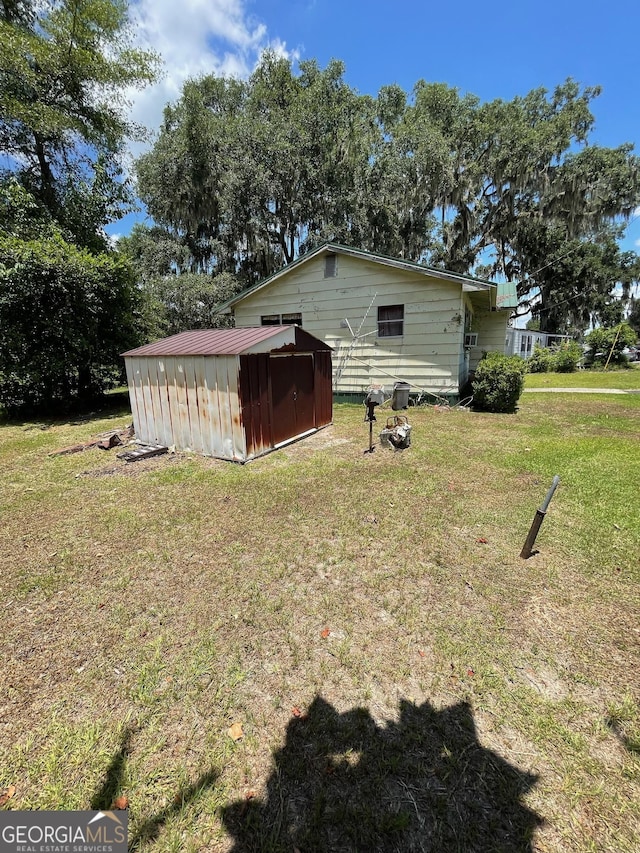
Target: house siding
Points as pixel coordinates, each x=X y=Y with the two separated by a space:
x=427 y=355
x=491 y=327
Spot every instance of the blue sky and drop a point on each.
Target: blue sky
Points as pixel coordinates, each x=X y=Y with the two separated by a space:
x=496 y=49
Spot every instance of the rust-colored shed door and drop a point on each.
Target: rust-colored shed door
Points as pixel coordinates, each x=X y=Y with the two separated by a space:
x=292 y=397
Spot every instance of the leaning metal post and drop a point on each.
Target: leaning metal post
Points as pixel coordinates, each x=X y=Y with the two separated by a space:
x=537 y=521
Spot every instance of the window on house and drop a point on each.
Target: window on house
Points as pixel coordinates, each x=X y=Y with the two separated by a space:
x=526 y=345
x=471 y=339
x=281 y=319
x=330 y=266
x=390 y=321
x=292 y=319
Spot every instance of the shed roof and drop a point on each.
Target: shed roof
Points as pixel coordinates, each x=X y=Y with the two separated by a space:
x=230 y=341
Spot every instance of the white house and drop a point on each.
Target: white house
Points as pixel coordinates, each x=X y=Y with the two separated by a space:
x=386 y=319
x=522 y=342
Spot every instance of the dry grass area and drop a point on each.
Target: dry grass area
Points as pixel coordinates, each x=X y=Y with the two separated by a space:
x=402 y=680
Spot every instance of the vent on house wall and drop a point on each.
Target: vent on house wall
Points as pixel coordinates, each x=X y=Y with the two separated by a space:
x=330 y=266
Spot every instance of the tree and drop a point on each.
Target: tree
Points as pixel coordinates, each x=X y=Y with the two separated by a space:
x=64 y=70
x=634 y=316
x=173 y=302
x=575 y=283
x=65 y=314
x=68 y=305
x=607 y=345
x=248 y=175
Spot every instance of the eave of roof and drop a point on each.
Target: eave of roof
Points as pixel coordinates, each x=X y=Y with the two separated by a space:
x=468 y=283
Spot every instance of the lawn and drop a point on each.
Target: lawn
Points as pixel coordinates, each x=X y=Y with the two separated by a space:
x=625 y=379
x=326 y=649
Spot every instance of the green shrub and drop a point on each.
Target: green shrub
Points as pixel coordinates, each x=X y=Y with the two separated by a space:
x=541 y=361
x=65 y=317
x=560 y=358
x=566 y=356
x=498 y=382
x=607 y=345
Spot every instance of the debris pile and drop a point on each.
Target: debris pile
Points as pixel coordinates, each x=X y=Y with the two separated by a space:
x=105 y=441
x=397 y=433
x=143 y=451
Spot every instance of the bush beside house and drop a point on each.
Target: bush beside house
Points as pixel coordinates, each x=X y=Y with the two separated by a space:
x=498 y=382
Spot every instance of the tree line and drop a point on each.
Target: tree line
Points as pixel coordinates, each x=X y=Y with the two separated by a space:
x=245 y=175
x=68 y=303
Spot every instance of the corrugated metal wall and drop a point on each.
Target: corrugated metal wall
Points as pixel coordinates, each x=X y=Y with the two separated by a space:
x=323 y=388
x=273 y=413
x=255 y=401
x=189 y=401
x=223 y=405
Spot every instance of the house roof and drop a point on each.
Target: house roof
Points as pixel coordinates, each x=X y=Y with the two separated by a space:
x=230 y=342
x=468 y=283
x=507 y=296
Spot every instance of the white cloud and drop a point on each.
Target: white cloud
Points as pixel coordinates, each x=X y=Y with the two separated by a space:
x=194 y=37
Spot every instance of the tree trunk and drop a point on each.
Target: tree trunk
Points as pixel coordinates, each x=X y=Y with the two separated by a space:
x=47 y=181
x=86 y=391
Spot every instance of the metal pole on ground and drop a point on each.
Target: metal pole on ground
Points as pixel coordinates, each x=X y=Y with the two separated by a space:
x=538 y=519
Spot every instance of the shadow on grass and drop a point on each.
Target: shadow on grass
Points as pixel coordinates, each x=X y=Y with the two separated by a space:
x=112 y=404
x=425 y=783
x=149 y=829
x=112 y=782
x=631 y=744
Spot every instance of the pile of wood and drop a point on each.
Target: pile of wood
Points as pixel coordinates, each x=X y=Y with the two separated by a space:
x=105 y=441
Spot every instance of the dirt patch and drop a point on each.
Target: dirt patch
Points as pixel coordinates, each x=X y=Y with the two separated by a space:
x=546 y=682
x=135 y=469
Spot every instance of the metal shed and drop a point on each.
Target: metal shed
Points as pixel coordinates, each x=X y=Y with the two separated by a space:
x=230 y=393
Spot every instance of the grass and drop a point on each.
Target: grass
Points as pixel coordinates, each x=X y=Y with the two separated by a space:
x=404 y=681
x=623 y=378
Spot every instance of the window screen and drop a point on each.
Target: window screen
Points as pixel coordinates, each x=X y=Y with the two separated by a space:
x=390 y=321
x=270 y=320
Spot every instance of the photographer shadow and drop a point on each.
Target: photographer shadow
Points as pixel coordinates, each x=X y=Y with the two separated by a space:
x=423 y=783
